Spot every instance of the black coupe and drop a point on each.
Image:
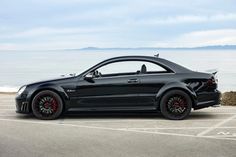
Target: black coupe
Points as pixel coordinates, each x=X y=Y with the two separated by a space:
x=127 y=83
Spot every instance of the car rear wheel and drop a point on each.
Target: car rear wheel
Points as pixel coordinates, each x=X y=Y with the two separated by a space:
x=176 y=105
x=47 y=105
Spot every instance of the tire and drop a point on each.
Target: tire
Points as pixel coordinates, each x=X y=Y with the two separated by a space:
x=176 y=105
x=47 y=105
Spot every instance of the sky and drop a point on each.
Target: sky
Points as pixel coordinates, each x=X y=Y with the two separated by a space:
x=72 y=24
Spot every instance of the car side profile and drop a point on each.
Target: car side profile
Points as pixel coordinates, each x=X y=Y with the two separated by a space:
x=126 y=83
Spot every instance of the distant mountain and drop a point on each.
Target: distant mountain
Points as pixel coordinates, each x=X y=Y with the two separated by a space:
x=116 y=48
x=220 y=47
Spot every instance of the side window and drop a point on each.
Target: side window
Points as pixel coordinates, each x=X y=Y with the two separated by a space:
x=130 y=68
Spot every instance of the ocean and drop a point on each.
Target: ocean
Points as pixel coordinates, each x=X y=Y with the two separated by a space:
x=21 y=67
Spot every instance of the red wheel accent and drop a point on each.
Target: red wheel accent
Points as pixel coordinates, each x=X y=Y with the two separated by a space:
x=47 y=104
x=176 y=104
x=54 y=105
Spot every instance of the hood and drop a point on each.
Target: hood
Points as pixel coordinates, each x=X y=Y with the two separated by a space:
x=62 y=79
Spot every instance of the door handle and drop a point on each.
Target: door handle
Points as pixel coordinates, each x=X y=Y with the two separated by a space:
x=133 y=81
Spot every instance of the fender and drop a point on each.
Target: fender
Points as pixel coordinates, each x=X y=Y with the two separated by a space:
x=49 y=86
x=176 y=85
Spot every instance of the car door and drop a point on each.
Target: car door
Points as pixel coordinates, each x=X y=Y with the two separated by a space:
x=117 y=90
x=151 y=80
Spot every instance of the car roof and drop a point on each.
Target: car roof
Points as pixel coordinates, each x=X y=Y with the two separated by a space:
x=161 y=61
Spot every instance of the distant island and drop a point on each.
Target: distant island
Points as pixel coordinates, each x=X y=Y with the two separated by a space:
x=216 y=47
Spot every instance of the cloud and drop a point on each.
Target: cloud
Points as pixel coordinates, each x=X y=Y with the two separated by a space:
x=203 y=38
x=104 y=23
x=183 y=19
x=46 y=32
x=191 y=39
x=7 y=46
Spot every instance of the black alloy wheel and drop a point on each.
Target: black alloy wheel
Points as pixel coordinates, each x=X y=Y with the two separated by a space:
x=47 y=105
x=176 y=105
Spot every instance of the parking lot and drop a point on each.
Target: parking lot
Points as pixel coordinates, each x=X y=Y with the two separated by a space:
x=207 y=132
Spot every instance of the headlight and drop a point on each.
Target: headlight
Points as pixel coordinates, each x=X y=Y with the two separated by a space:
x=21 y=90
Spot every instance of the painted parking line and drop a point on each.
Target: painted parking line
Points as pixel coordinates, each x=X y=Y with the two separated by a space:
x=212 y=113
x=117 y=119
x=216 y=126
x=112 y=121
x=116 y=129
x=10 y=109
x=7 y=107
x=182 y=128
x=140 y=120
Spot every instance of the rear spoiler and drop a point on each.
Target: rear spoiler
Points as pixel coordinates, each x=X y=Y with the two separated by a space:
x=212 y=71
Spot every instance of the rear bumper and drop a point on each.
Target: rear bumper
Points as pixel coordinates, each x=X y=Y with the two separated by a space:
x=206 y=99
x=22 y=105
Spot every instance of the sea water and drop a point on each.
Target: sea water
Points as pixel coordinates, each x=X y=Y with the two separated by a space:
x=21 y=67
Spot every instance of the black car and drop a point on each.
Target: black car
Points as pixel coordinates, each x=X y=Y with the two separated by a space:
x=127 y=83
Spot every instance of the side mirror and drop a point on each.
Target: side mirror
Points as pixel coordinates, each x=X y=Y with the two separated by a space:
x=89 y=77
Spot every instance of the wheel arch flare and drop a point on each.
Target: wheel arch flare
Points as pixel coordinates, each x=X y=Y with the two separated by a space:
x=173 y=86
x=52 y=87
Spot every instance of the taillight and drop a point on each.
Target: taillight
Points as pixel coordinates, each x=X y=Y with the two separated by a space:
x=211 y=82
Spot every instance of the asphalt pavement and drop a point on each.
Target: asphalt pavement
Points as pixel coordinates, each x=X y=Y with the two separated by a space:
x=207 y=132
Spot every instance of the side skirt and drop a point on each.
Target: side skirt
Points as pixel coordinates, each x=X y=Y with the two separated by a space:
x=140 y=108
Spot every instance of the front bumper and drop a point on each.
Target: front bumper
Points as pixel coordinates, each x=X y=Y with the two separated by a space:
x=206 y=99
x=22 y=105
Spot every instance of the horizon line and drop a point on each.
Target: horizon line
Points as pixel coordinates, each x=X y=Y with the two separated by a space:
x=129 y=48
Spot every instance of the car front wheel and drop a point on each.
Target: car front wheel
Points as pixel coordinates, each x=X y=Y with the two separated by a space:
x=47 y=105
x=176 y=105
